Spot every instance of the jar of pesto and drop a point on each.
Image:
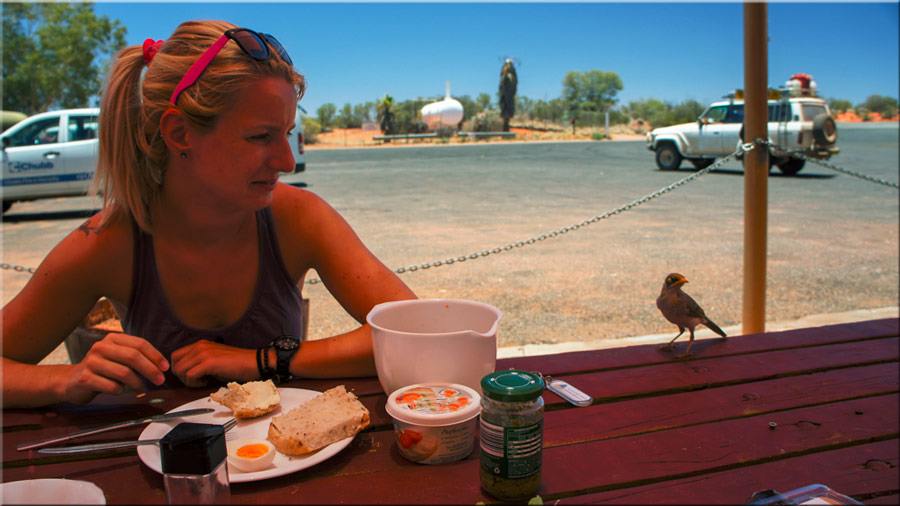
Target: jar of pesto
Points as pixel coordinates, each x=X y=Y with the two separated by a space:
x=511 y=434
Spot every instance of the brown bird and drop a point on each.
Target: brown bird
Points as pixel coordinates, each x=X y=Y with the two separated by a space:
x=680 y=309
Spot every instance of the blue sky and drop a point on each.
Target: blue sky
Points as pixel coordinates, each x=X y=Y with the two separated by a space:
x=358 y=52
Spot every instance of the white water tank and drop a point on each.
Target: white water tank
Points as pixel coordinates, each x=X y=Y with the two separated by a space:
x=446 y=113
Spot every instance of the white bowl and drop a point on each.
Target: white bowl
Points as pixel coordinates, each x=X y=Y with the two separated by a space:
x=434 y=340
x=434 y=423
x=51 y=491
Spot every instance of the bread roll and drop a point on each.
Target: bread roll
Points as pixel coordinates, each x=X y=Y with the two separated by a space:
x=249 y=400
x=318 y=422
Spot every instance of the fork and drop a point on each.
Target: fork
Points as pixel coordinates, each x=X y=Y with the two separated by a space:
x=65 y=450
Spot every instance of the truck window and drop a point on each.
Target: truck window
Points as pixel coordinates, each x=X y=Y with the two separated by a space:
x=780 y=111
x=735 y=113
x=45 y=131
x=715 y=114
x=82 y=128
x=810 y=111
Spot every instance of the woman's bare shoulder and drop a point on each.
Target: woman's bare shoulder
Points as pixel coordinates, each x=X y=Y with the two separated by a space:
x=301 y=218
x=101 y=250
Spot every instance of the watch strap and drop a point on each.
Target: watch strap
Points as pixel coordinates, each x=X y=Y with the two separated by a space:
x=262 y=363
x=284 y=355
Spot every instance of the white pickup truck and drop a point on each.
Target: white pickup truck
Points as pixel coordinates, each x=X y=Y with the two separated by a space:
x=54 y=154
x=800 y=126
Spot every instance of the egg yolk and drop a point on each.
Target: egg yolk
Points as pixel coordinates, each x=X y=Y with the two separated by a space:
x=253 y=451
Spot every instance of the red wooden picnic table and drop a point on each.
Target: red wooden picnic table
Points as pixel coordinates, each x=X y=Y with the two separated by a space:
x=777 y=410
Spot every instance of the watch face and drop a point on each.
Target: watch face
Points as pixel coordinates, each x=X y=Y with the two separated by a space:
x=286 y=343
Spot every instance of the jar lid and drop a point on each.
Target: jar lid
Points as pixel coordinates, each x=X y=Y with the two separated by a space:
x=434 y=404
x=512 y=385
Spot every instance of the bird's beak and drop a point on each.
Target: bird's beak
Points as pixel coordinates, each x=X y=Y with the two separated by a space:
x=683 y=281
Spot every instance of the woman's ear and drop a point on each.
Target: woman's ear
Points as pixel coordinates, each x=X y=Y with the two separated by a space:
x=174 y=131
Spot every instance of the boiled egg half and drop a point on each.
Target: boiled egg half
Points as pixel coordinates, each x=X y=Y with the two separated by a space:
x=249 y=455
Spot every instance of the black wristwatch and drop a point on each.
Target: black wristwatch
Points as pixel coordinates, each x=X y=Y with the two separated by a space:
x=285 y=348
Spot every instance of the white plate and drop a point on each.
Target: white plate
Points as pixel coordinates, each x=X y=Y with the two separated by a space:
x=51 y=491
x=253 y=428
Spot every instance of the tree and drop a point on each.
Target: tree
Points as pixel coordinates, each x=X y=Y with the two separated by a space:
x=686 y=112
x=55 y=54
x=361 y=112
x=386 y=115
x=507 y=93
x=349 y=117
x=483 y=101
x=592 y=92
x=470 y=108
x=652 y=110
x=839 y=104
x=886 y=106
x=325 y=113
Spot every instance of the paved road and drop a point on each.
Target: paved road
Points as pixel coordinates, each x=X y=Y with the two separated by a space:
x=833 y=239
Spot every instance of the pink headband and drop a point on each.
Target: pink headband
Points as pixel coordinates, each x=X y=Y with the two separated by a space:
x=151 y=47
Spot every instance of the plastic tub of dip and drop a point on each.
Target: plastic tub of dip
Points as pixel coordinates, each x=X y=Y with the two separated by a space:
x=434 y=423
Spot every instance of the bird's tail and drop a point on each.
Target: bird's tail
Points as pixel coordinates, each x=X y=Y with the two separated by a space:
x=715 y=328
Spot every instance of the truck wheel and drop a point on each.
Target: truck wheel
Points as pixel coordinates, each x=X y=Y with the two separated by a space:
x=668 y=157
x=701 y=163
x=824 y=130
x=791 y=166
x=6 y=205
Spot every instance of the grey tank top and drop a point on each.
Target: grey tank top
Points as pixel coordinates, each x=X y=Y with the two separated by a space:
x=276 y=308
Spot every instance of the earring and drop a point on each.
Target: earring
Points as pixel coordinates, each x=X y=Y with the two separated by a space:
x=183 y=155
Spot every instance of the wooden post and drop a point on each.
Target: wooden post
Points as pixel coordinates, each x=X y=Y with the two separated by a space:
x=756 y=166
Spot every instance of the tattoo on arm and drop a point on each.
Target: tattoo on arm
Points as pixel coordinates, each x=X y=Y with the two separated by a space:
x=87 y=228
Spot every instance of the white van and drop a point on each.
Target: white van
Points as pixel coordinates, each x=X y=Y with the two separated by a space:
x=54 y=154
x=51 y=154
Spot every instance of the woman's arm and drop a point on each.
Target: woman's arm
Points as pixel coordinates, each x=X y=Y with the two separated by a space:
x=86 y=265
x=313 y=235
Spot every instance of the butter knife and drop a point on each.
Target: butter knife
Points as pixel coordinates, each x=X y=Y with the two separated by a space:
x=66 y=450
x=119 y=425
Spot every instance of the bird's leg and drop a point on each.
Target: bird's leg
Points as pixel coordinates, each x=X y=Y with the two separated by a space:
x=671 y=343
x=687 y=352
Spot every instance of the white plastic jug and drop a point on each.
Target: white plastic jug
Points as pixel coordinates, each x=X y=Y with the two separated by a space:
x=431 y=340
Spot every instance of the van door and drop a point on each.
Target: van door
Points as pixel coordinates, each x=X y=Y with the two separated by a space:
x=32 y=161
x=81 y=150
x=709 y=135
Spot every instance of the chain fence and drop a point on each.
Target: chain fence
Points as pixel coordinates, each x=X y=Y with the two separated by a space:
x=475 y=255
x=866 y=177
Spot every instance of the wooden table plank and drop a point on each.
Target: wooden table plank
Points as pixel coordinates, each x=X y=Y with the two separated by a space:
x=677 y=376
x=617 y=419
x=574 y=362
x=851 y=471
x=715 y=447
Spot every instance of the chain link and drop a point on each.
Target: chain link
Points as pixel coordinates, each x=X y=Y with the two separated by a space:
x=18 y=268
x=842 y=170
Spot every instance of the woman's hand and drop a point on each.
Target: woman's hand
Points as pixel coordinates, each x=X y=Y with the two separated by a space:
x=116 y=362
x=192 y=363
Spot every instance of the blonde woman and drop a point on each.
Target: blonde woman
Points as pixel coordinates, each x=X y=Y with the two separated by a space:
x=196 y=238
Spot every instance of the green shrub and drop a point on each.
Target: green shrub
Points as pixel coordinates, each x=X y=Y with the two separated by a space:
x=597 y=136
x=485 y=121
x=311 y=130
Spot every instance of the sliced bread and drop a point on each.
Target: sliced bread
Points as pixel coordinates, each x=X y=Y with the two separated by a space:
x=318 y=422
x=252 y=399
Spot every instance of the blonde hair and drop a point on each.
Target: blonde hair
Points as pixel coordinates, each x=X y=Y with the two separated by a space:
x=133 y=155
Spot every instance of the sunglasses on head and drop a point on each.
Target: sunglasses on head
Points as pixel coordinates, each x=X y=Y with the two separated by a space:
x=255 y=45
